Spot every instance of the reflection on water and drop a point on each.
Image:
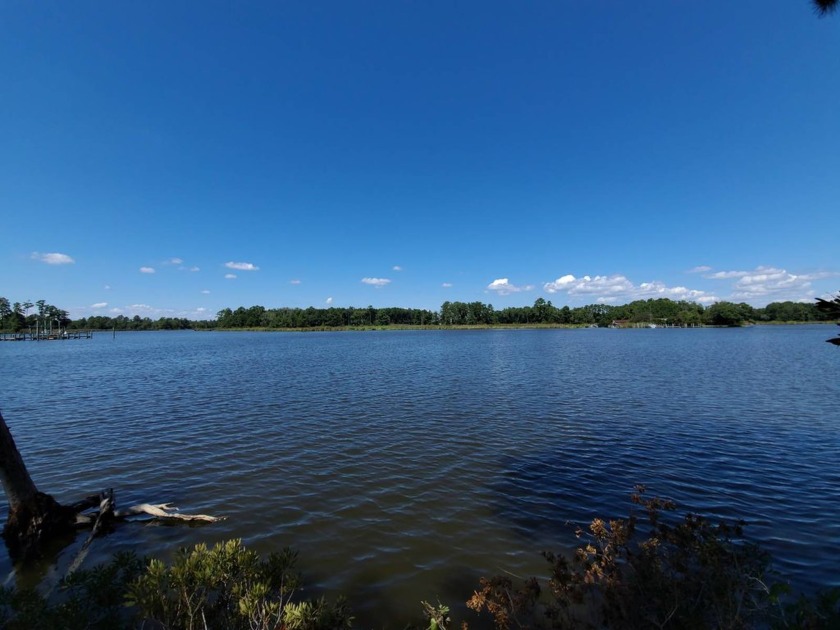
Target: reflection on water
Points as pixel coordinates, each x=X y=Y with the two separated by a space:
x=403 y=465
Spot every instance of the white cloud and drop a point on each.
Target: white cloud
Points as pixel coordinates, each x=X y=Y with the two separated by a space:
x=294 y=281
x=397 y=268
x=376 y=282
x=329 y=300
x=587 y=285
x=99 y=305
x=206 y=292
x=561 y=284
x=153 y=312
x=194 y=269
x=503 y=287
x=174 y=261
x=230 y=276
x=447 y=285
x=242 y=266
x=53 y=258
x=725 y=275
x=147 y=269
x=758 y=287
x=609 y=289
x=770 y=284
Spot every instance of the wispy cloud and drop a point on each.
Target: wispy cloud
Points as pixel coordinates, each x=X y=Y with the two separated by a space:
x=770 y=284
x=147 y=269
x=328 y=300
x=397 y=268
x=700 y=269
x=609 y=289
x=99 y=305
x=294 y=281
x=206 y=291
x=503 y=287
x=107 y=287
x=179 y=262
x=447 y=285
x=726 y=275
x=376 y=282
x=147 y=310
x=53 y=258
x=230 y=276
x=242 y=266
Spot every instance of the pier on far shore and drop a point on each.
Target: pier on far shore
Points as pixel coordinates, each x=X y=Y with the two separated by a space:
x=46 y=335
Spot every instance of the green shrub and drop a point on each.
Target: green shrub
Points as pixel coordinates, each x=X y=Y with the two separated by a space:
x=225 y=586
x=228 y=586
x=92 y=598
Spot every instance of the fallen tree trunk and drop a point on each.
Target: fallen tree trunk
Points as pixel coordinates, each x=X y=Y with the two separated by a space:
x=35 y=517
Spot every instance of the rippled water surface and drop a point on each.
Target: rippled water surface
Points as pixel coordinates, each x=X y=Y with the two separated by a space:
x=404 y=465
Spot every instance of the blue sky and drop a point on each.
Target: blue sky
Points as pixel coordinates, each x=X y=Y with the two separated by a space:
x=174 y=159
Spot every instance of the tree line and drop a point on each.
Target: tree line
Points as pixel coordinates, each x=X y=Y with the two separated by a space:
x=661 y=312
x=15 y=316
x=351 y=317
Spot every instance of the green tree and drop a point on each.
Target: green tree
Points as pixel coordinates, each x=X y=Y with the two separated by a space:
x=42 y=308
x=724 y=314
x=5 y=311
x=540 y=310
x=16 y=316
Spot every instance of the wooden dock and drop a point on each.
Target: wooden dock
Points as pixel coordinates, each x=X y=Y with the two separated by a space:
x=47 y=336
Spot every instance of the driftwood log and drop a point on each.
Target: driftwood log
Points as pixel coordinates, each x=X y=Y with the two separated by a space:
x=36 y=517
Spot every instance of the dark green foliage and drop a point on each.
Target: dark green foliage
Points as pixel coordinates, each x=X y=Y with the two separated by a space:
x=728 y=314
x=16 y=317
x=660 y=311
x=289 y=318
x=822 y=611
x=93 y=598
x=647 y=571
x=225 y=586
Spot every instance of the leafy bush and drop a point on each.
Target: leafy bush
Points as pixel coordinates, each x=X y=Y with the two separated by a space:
x=228 y=587
x=92 y=598
x=225 y=586
x=650 y=570
x=654 y=572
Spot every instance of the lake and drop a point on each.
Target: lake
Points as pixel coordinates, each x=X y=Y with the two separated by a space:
x=403 y=465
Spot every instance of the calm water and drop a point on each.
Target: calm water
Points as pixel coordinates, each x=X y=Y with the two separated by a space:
x=404 y=465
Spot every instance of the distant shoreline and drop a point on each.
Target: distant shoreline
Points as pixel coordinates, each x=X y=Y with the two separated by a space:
x=485 y=327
